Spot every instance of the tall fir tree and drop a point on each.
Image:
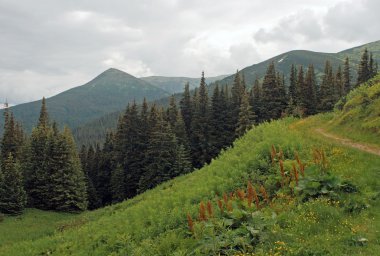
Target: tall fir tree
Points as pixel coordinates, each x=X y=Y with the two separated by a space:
x=255 y=100
x=68 y=187
x=273 y=95
x=246 y=116
x=339 y=84
x=309 y=92
x=161 y=155
x=12 y=193
x=293 y=84
x=35 y=165
x=186 y=109
x=363 y=69
x=172 y=112
x=217 y=116
x=346 y=77
x=327 y=92
x=200 y=132
x=117 y=184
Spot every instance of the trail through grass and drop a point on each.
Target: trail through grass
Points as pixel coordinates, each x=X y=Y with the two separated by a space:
x=347 y=142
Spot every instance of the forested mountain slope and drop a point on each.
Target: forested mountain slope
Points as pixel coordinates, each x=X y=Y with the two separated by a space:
x=284 y=61
x=306 y=195
x=176 y=84
x=109 y=92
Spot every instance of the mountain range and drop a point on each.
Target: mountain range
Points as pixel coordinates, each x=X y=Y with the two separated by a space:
x=94 y=107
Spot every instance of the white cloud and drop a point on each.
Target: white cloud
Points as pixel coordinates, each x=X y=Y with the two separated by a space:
x=49 y=46
x=119 y=61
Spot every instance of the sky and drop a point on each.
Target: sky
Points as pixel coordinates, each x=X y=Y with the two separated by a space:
x=48 y=46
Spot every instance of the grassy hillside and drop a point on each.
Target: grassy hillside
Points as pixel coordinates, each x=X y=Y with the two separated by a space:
x=176 y=84
x=109 y=92
x=334 y=209
x=360 y=116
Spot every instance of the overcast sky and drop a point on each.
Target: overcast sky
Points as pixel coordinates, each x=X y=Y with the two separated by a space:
x=47 y=46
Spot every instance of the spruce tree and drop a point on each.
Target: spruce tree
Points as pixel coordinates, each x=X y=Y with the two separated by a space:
x=310 y=91
x=301 y=90
x=327 y=91
x=364 y=69
x=339 y=84
x=35 y=166
x=160 y=157
x=256 y=101
x=246 y=116
x=346 y=77
x=12 y=193
x=68 y=187
x=130 y=149
x=217 y=119
x=172 y=112
x=200 y=133
x=273 y=95
x=186 y=109
x=293 y=84
x=118 y=184
x=106 y=165
x=182 y=163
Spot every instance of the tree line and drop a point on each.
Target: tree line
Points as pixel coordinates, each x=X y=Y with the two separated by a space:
x=150 y=144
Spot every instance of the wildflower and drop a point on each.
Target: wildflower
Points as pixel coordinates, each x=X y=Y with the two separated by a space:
x=257 y=202
x=250 y=193
x=209 y=209
x=220 y=205
x=190 y=223
x=225 y=198
x=295 y=173
x=240 y=193
x=264 y=193
x=202 y=212
x=229 y=206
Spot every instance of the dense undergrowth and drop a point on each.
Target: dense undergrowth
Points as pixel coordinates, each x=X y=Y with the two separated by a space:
x=333 y=209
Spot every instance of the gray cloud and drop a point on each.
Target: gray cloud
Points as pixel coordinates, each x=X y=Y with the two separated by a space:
x=49 y=45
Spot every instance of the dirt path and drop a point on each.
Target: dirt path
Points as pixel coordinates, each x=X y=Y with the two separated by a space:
x=347 y=142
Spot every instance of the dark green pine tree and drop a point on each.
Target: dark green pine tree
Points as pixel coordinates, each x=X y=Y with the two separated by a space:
x=186 y=109
x=130 y=148
x=106 y=165
x=301 y=90
x=118 y=184
x=12 y=193
x=160 y=156
x=172 y=112
x=86 y=158
x=372 y=66
x=273 y=95
x=13 y=137
x=339 y=84
x=217 y=119
x=179 y=130
x=200 y=133
x=346 y=77
x=364 y=69
x=255 y=100
x=182 y=163
x=246 y=116
x=36 y=159
x=237 y=91
x=327 y=91
x=68 y=186
x=227 y=121
x=310 y=91
x=293 y=85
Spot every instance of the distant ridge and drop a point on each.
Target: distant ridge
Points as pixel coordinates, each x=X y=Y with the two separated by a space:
x=110 y=91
